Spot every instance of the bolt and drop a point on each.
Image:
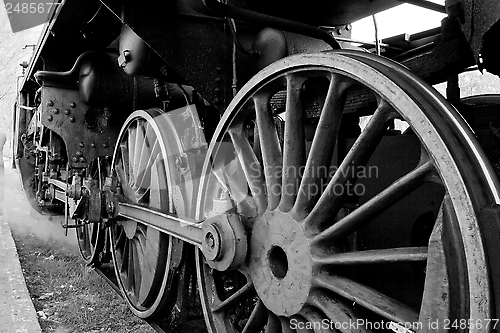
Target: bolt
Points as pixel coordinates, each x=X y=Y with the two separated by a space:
x=79 y=153
x=164 y=70
x=49 y=118
x=75 y=159
x=56 y=111
x=82 y=159
x=110 y=206
x=72 y=119
x=347 y=27
x=67 y=112
x=339 y=31
x=124 y=59
x=210 y=240
x=92 y=145
x=81 y=144
x=73 y=105
x=105 y=145
x=218 y=69
x=51 y=103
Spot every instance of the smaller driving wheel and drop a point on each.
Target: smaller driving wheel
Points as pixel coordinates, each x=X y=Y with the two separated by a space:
x=146 y=261
x=90 y=234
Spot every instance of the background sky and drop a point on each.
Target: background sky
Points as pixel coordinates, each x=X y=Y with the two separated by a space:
x=404 y=18
x=13 y=51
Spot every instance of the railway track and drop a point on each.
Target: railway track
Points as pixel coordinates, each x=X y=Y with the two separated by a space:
x=107 y=274
x=161 y=325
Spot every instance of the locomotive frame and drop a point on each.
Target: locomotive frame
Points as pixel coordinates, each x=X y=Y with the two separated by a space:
x=244 y=162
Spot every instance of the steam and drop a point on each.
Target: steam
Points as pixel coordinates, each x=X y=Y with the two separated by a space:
x=22 y=217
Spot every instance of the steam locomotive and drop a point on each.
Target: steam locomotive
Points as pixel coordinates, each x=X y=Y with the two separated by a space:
x=247 y=164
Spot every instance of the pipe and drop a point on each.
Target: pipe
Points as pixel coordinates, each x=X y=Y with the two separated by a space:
x=26 y=107
x=377 y=39
x=270 y=21
x=427 y=5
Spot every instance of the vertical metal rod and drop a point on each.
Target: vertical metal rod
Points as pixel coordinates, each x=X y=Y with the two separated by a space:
x=66 y=215
x=377 y=40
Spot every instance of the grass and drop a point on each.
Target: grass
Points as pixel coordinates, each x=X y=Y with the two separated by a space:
x=67 y=295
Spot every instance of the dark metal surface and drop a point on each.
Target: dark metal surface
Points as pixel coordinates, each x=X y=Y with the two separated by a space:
x=477 y=17
x=65 y=114
x=270 y=21
x=197 y=49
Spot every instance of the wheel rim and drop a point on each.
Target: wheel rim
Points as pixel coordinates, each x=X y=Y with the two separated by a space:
x=143 y=257
x=89 y=241
x=306 y=263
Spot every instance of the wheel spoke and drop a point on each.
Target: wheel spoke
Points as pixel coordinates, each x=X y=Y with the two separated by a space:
x=252 y=169
x=85 y=236
x=143 y=180
x=376 y=205
x=140 y=153
x=330 y=202
x=128 y=191
x=294 y=147
x=120 y=240
x=403 y=254
x=257 y=319
x=130 y=267
x=273 y=323
x=242 y=294
x=132 y=133
x=124 y=161
x=437 y=282
x=320 y=157
x=286 y=325
x=271 y=150
x=316 y=319
x=137 y=263
x=158 y=184
x=148 y=267
x=336 y=311
x=125 y=256
x=91 y=230
x=368 y=298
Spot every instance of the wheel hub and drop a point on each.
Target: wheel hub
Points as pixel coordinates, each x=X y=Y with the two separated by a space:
x=224 y=242
x=280 y=263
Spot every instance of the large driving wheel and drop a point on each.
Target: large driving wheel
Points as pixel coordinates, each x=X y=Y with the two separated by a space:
x=351 y=228
x=145 y=259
